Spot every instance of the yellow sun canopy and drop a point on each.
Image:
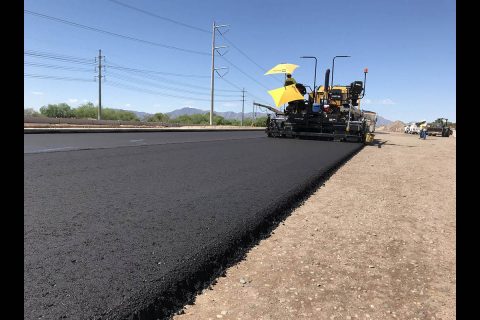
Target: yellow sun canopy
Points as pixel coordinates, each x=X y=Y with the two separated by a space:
x=282 y=68
x=286 y=94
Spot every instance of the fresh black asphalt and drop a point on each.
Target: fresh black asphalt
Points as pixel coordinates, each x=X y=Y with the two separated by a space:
x=114 y=229
x=51 y=142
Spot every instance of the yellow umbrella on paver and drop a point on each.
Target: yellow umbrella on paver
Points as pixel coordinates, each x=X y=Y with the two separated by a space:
x=285 y=94
x=282 y=68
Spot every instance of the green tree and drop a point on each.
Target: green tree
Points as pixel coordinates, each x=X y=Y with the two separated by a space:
x=158 y=117
x=204 y=119
x=31 y=112
x=258 y=122
x=86 y=111
x=114 y=114
x=61 y=110
x=201 y=119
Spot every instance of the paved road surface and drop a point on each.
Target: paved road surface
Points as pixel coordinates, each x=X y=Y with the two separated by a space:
x=51 y=142
x=110 y=229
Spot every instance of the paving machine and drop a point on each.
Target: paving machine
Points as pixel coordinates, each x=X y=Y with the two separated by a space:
x=330 y=112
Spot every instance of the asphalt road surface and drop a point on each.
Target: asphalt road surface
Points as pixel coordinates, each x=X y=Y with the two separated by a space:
x=51 y=142
x=111 y=227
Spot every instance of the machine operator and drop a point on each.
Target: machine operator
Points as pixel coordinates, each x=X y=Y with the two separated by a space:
x=289 y=80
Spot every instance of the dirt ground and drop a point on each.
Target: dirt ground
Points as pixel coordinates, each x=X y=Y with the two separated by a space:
x=377 y=241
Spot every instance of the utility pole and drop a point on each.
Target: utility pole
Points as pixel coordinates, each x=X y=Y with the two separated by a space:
x=243 y=105
x=253 y=113
x=99 y=117
x=212 y=84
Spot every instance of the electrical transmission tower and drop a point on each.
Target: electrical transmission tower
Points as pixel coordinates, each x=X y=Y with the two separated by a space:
x=215 y=28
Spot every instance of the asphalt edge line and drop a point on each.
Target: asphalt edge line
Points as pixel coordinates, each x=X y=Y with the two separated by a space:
x=172 y=297
x=115 y=130
x=64 y=149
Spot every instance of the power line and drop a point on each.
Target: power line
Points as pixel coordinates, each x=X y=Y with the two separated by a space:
x=247 y=75
x=133 y=88
x=157 y=72
x=248 y=93
x=160 y=17
x=244 y=54
x=44 y=53
x=257 y=98
x=191 y=27
x=78 y=25
x=127 y=78
x=41 y=76
x=50 y=66
x=230 y=83
x=155 y=77
x=57 y=58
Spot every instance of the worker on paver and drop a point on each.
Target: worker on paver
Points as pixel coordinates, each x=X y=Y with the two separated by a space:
x=289 y=80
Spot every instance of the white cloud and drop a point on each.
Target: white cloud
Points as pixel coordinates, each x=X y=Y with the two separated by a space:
x=72 y=100
x=190 y=104
x=386 y=102
x=37 y=93
x=128 y=105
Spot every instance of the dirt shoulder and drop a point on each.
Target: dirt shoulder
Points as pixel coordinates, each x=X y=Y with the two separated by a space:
x=377 y=241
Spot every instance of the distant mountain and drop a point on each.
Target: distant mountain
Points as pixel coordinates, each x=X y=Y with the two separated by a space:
x=141 y=115
x=381 y=121
x=230 y=115
x=185 y=111
x=238 y=115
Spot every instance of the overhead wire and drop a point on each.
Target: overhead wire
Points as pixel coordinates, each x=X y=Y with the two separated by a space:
x=78 y=25
x=50 y=66
x=42 y=76
x=58 y=58
x=157 y=72
x=169 y=80
x=128 y=78
x=246 y=92
x=160 y=17
x=68 y=57
x=71 y=59
x=247 y=75
x=133 y=88
x=197 y=29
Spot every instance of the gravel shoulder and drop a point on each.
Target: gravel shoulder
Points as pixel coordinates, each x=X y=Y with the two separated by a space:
x=377 y=241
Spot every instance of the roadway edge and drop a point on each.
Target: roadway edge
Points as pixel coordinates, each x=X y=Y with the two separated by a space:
x=113 y=130
x=169 y=298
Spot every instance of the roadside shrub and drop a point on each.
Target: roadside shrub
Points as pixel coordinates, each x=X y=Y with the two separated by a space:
x=86 y=111
x=159 y=117
x=113 y=114
x=31 y=112
x=61 y=110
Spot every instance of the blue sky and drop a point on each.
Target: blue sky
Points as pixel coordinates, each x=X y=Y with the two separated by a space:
x=408 y=47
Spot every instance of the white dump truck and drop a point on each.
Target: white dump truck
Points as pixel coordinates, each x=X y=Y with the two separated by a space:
x=414 y=128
